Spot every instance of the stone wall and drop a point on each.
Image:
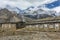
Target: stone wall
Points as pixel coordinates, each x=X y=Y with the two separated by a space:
x=45 y=27
x=36 y=27
x=9 y=27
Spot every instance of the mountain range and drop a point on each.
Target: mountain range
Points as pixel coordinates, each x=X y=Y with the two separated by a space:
x=34 y=12
x=40 y=11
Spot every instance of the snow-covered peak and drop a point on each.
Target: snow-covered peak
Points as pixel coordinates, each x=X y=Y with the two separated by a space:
x=29 y=5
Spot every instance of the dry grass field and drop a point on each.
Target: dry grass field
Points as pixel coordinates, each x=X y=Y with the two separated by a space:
x=23 y=34
x=33 y=36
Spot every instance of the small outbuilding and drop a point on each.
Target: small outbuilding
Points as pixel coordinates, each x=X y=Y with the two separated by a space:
x=13 y=24
x=10 y=21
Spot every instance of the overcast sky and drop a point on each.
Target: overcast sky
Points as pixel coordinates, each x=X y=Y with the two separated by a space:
x=23 y=4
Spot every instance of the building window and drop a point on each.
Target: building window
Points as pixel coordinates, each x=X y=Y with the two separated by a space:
x=51 y=25
x=45 y=25
x=41 y=25
x=56 y=25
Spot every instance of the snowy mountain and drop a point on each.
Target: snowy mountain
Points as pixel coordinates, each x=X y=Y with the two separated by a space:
x=39 y=12
x=34 y=12
x=33 y=7
x=26 y=4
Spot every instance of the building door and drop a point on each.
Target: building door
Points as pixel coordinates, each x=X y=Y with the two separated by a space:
x=20 y=25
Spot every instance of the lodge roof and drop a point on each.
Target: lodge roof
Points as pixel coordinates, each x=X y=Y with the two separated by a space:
x=7 y=16
x=45 y=20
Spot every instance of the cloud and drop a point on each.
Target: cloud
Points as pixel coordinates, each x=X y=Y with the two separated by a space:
x=40 y=2
x=20 y=4
x=23 y=4
x=54 y=6
x=57 y=9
